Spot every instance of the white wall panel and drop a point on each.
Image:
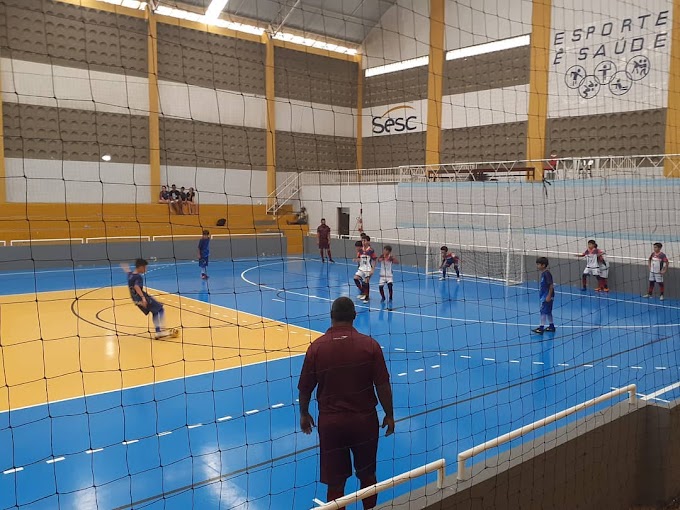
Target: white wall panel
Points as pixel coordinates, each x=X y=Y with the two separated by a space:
x=480 y=108
x=322 y=119
x=48 y=181
x=472 y=22
x=50 y=85
x=595 y=47
x=388 y=119
x=402 y=34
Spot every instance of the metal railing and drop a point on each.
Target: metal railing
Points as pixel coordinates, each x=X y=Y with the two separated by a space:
x=438 y=465
x=631 y=389
x=571 y=168
x=284 y=193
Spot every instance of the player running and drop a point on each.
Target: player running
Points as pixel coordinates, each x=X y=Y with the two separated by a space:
x=658 y=265
x=387 y=260
x=366 y=258
x=449 y=259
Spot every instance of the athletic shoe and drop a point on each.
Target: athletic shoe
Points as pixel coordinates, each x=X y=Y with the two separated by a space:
x=606 y=289
x=647 y=296
x=323 y=260
x=661 y=297
x=458 y=279
x=538 y=331
x=360 y=296
x=550 y=329
x=442 y=278
x=583 y=289
x=331 y=261
x=599 y=289
x=163 y=334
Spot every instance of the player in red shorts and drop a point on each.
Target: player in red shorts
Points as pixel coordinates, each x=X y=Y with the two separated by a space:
x=323 y=239
x=347 y=368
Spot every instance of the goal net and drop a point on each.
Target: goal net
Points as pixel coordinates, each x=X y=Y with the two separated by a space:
x=483 y=242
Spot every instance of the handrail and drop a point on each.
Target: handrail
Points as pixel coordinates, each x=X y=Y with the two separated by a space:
x=438 y=465
x=275 y=198
x=631 y=389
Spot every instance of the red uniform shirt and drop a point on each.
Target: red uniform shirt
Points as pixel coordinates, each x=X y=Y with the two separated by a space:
x=324 y=232
x=346 y=366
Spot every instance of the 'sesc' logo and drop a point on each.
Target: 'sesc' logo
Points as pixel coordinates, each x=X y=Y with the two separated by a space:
x=389 y=124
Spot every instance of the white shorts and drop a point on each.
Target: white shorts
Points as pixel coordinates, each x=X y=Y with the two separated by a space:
x=594 y=271
x=364 y=275
x=655 y=277
x=604 y=271
x=385 y=279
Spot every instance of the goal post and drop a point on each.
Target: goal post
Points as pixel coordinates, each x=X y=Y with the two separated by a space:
x=485 y=243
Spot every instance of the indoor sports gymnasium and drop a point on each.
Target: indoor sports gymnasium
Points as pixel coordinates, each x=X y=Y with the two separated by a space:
x=325 y=254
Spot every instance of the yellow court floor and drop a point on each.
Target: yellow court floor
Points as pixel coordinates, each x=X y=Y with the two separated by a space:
x=66 y=344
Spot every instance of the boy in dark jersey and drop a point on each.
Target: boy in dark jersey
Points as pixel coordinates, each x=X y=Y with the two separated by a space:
x=146 y=303
x=546 y=295
x=204 y=254
x=449 y=259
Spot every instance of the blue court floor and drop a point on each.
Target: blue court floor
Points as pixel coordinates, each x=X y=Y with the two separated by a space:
x=465 y=368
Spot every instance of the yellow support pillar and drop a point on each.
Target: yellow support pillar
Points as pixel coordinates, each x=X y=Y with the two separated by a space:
x=538 y=85
x=3 y=185
x=154 y=127
x=435 y=77
x=360 y=115
x=671 y=164
x=270 y=94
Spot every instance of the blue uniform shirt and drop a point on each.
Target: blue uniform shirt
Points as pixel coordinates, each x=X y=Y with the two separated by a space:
x=204 y=248
x=544 y=285
x=135 y=279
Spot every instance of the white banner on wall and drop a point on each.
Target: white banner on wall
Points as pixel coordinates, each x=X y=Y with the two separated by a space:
x=609 y=56
x=395 y=119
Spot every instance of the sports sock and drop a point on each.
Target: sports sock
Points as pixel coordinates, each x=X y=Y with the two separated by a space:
x=661 y=288
x=381 y=288
x=584 y=280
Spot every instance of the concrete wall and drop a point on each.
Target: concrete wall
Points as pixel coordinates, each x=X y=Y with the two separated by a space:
x=40 y=256
x=614 y=459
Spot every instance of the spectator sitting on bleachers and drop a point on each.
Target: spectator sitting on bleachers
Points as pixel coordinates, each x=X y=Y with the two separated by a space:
x=164 y=195
x=301 y=218
x=191 y=203
x=175 y=200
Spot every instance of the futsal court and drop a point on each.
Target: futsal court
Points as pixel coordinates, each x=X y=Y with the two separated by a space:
x=95 y=414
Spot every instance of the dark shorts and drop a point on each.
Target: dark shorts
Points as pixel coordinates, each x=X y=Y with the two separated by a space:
x=152 y=306
x=324 y=244
x=203 y=262
x=547 y=307
x=341 y=434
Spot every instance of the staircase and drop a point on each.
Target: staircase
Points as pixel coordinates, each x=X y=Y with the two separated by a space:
x=284 y=193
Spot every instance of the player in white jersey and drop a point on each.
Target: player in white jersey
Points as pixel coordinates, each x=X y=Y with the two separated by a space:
x=596 y=265
x=387 y=260
x=658 y=265
x=366 y=259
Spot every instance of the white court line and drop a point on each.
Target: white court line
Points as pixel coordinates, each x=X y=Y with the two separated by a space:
x=514 y=361
x=318 y=501
x=489 y=359
x=57 y=459
x=565 y=365
x=662 y=391
x=419 y=370
x=537 y=363
x=224 y=418
x=276 y=406
x=161 y=434
x=466 y=357
x=14 y=470
x=252 y=411
x=434 y=366
x=195 y=426
x=132 y=441
x=279 y=300
x=402 y=374
x=636 y=368
x=96 y=450
x=452 y=319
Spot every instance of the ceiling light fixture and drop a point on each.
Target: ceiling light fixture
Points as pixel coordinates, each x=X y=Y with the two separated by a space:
x=397 y=66
x=481 y=49
x=215 y=8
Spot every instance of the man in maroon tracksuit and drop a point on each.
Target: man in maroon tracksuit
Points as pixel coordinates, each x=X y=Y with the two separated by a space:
x=323 y=236
x=348 y=368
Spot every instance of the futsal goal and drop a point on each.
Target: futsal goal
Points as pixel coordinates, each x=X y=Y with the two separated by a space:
x=486 y=244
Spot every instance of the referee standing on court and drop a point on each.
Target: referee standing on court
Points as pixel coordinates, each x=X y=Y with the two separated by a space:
x=348 y=368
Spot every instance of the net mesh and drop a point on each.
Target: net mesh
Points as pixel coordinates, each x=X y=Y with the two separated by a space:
x=96 y=412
